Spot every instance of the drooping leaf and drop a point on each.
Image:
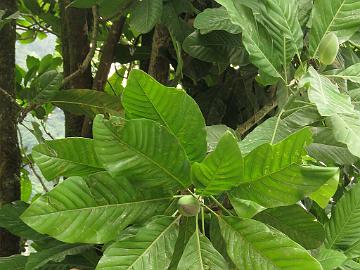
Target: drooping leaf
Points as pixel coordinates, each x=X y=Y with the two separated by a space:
x=66 y=157
x=253 y=245
x=56 y=254
x=199 y=254
x=339 y=16
x=343 y=229
x=296 y=223
x=346 y=130
x=145 y=14
x=151 y=248
x=221 y=170
x=94 y=209
x=212 y=19
x=325 y=95
x=144 y=97
x=142 y=150
x=87 y=102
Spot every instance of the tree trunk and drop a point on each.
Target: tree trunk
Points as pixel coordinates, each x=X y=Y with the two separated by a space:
x=75 y=47
x=159 y=64
x=9 y=148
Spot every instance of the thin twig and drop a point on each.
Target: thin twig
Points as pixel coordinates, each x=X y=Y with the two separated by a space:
x=45 y=130
x=91 y=52
x=31 y=164
x=220 y=205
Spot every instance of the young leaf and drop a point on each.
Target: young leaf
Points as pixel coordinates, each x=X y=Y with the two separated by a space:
x=151 y=248
x=296 y=223
x=142 y=150
x=94 y=209
x=253 y=245
x=66 y=157
x=144 y=97
x=199 y=254
x=221 y=170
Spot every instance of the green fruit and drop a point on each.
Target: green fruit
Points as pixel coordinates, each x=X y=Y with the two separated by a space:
x=188 y=206
x=328 y=49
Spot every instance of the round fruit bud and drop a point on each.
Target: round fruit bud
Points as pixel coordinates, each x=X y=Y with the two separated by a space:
x=188 y=206
x=328 y=48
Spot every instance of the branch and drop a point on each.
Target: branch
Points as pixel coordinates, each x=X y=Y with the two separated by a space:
x=255 y=119
x=10 y=97
x=91 y=52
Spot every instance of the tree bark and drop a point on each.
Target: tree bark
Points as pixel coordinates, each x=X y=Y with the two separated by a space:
x=9 y=148
x=75 y=47
x=159 y=64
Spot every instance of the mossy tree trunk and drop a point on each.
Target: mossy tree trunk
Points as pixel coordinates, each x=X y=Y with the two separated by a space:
x=9 y=148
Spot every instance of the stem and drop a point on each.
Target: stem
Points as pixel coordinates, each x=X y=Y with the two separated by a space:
x=277 y=125
x=203 y=220
x=220 y=205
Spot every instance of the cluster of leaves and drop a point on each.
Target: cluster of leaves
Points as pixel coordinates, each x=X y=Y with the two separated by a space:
x=284 y=197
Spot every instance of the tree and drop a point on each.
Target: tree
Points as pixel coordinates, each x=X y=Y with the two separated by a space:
x=9 y=149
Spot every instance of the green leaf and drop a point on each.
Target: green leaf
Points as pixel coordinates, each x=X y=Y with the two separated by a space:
x=151 y=248
x=339 y=16
x=216 y=46
x=144 y=97
x=325 y=95
x=274 y=176
x=199 y=254
x=46 y=86
x=212 y=19
x=56 y=253
x=296 y=223
x=253 y=245
x=323 y=195
x=221 y=170
x=346 y=130
x=350 y=265
x=245 y=208
x=16 y=262
x=142 y=150
x=256 y=40
x=88 y=210
x=145 y=14
x=343 y=229
x=330 y=259
x=351 y=73
x=10 y=220
x=66 y=157
x=87 y=102
x=214 y=134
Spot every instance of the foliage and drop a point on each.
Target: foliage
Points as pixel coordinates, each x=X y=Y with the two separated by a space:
x=285 y=196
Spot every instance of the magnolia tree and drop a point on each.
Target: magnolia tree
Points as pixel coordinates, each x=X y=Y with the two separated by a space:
x=157 y=188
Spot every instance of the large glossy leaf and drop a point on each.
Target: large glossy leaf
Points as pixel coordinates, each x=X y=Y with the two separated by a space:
x=212 y=19
x=94 y=209
x=16 y=262
x=296 y=223
x=87 y=102
x=346 y=130
x=324 y=194
x=221 y=170
x=143 y=150
x=253 y=245
x=274 y=174
x=325 y=95
x=339 y=16
x=66 y=157
x=217 y=46
x=330 y=259
x=343 y=229
x=255 y=39
x=199 y=254
x=144 y=97
x=56 y=254
x=145 y=14
x=151 y=248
